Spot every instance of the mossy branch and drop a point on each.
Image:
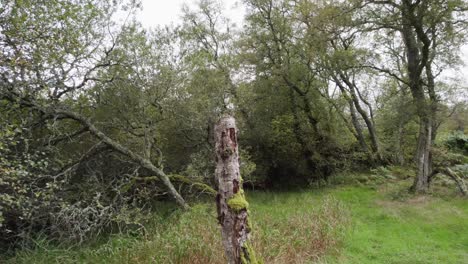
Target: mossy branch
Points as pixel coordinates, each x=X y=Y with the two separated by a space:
x=204 y=188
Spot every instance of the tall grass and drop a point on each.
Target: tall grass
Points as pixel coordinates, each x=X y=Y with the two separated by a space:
x=379 y=222
x=285 y=231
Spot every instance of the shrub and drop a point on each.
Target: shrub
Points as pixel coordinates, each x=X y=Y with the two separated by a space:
x=39 y=197
x=457 y=141
x=27 y=194
x=443 y=157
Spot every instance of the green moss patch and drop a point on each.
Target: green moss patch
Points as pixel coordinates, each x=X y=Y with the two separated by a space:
x=238 y=202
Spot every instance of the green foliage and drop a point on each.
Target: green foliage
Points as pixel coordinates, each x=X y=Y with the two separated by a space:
x=443 y=157
x=39 y=197
x=28 y=195
x=462 y=170
x=248 y=168
x=457 y=141
x=158 y=93
x=282 y=136
x=201 y=165
x=383 y=172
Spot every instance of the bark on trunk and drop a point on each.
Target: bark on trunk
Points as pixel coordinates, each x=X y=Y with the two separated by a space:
x=354 y=105
x=231 y=204
x=417 y=54
x=423 y=156
x=357 y=127
x=369 y=122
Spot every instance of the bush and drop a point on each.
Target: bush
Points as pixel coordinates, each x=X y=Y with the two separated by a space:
x=383 y=172
x=27 y=194
x=39 y=197
x=457 y=141
x=444 y=157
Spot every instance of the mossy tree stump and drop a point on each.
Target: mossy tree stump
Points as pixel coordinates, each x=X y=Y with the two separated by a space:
x=231 y=203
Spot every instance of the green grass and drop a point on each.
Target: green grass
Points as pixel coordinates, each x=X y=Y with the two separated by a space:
x=341 y=224
x=418 y=229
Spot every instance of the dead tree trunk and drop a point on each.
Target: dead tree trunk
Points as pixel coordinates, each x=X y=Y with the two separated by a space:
x=231 y=204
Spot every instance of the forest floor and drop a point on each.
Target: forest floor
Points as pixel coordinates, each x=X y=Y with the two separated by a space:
x=357 y=221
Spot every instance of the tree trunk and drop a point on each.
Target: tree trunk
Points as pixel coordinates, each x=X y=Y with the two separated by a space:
x=354 y=105
x=307 y=153
x=369 y=122
x=417 y=54
x=357 y=127
x=423 y=156
x=350 y=125
x=231 y=204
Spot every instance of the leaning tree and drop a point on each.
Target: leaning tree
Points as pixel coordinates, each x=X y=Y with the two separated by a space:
x=54 y=52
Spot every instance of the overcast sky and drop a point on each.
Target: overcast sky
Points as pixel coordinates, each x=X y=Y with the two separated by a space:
x=165 y=12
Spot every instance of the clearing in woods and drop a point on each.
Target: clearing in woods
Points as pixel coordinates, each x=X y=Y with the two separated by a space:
x=347 y=223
